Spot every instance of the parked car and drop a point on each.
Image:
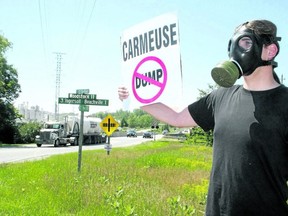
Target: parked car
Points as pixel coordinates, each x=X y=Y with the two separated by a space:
x=131 y=133
x=147 y=134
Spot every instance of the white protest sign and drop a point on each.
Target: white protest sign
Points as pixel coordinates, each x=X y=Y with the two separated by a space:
x=151 y=64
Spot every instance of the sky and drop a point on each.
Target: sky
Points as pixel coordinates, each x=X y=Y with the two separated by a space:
x=87 y=34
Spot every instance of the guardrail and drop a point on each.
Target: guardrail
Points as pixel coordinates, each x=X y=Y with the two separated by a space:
x=179 y=136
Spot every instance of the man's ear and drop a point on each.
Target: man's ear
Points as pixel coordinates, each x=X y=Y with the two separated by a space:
x=272 y=51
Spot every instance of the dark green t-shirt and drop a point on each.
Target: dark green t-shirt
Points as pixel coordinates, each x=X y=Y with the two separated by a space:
x=250 y=150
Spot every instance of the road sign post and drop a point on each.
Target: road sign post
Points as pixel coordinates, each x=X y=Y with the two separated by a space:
x=80 y=141
x=109 y=125
x=83 y=99
x=108 y=146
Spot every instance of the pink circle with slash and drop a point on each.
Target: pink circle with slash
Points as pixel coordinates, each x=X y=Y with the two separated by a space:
x=161 y=85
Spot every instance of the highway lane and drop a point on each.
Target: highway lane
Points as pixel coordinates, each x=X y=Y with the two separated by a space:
x=9 y=154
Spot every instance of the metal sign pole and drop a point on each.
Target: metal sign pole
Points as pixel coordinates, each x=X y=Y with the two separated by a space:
x=84 y=99
x=108 y=125
x=80 y=141
x=109 y=148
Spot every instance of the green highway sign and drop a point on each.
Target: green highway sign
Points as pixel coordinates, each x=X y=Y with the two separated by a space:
x=82 y=96
x=62 y=100
x=82 y=91
x=84 y=108
x=99 y=102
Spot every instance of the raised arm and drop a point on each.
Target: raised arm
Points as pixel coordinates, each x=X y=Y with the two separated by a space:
x=162 y=112
x=165 y=114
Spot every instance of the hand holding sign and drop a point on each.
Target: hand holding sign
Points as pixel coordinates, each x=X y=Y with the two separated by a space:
x=123 y=93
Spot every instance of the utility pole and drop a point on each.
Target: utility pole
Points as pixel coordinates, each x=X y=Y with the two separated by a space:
x=58 y=82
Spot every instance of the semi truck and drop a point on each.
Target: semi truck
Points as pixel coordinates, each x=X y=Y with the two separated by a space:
x=68 y=132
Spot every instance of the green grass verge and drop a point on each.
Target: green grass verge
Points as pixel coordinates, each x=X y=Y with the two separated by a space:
x=156 y=178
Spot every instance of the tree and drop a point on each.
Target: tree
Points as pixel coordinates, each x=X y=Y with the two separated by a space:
x=28 y=132
x=100 y=115
x=8 y=127
x=122 y=116
x=145 y=121
x=9 y=91
x=133 y=120
x=140 y=119
x=123 y=123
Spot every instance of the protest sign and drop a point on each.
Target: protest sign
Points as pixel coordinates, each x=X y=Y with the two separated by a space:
x=150 y=61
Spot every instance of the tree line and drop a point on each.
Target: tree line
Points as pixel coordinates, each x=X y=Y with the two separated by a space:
x=9 y=91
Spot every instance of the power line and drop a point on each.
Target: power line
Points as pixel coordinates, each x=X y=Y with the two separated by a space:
x=41 y=24
x=87 y=27
x=89 y=20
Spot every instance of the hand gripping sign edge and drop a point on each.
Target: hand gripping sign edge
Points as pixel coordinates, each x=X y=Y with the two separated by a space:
x=150 y=80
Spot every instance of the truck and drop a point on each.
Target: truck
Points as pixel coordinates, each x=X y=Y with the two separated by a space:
x=62 y=133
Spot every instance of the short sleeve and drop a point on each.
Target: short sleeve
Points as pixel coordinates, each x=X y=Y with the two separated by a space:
x=202 y=112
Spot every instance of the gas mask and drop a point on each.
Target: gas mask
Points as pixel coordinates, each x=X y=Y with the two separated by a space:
x=244 y=50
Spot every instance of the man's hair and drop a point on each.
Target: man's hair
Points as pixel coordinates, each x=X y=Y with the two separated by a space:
x=264 y=29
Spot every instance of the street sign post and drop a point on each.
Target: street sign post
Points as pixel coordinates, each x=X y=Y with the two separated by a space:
x=80 y=141
x=84 y=99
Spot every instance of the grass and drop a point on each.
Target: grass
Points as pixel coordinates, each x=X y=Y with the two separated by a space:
x=156 y=178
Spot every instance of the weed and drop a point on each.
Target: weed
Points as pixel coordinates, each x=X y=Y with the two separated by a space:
x=178 y=208
x=116 y=201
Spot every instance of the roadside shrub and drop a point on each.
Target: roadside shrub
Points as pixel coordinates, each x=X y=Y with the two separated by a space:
x=27 y=132
x=199 y=136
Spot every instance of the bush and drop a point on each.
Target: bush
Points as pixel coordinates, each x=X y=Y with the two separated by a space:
x=199 y=136
x=28 y=131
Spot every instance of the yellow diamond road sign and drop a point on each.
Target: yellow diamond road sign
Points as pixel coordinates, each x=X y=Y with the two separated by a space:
x=109 y=125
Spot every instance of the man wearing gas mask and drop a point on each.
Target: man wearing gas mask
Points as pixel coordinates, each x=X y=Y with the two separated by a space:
x=250 y=126
x=245 y=53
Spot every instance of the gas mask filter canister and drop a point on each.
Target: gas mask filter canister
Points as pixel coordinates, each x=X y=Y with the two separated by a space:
x=225 y=73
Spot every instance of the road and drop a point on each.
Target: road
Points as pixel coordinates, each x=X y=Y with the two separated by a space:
x=18 y=153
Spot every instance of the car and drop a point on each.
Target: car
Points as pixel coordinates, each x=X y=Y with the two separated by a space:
x=131 y=133
x=147 y=134
x=164 y=132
